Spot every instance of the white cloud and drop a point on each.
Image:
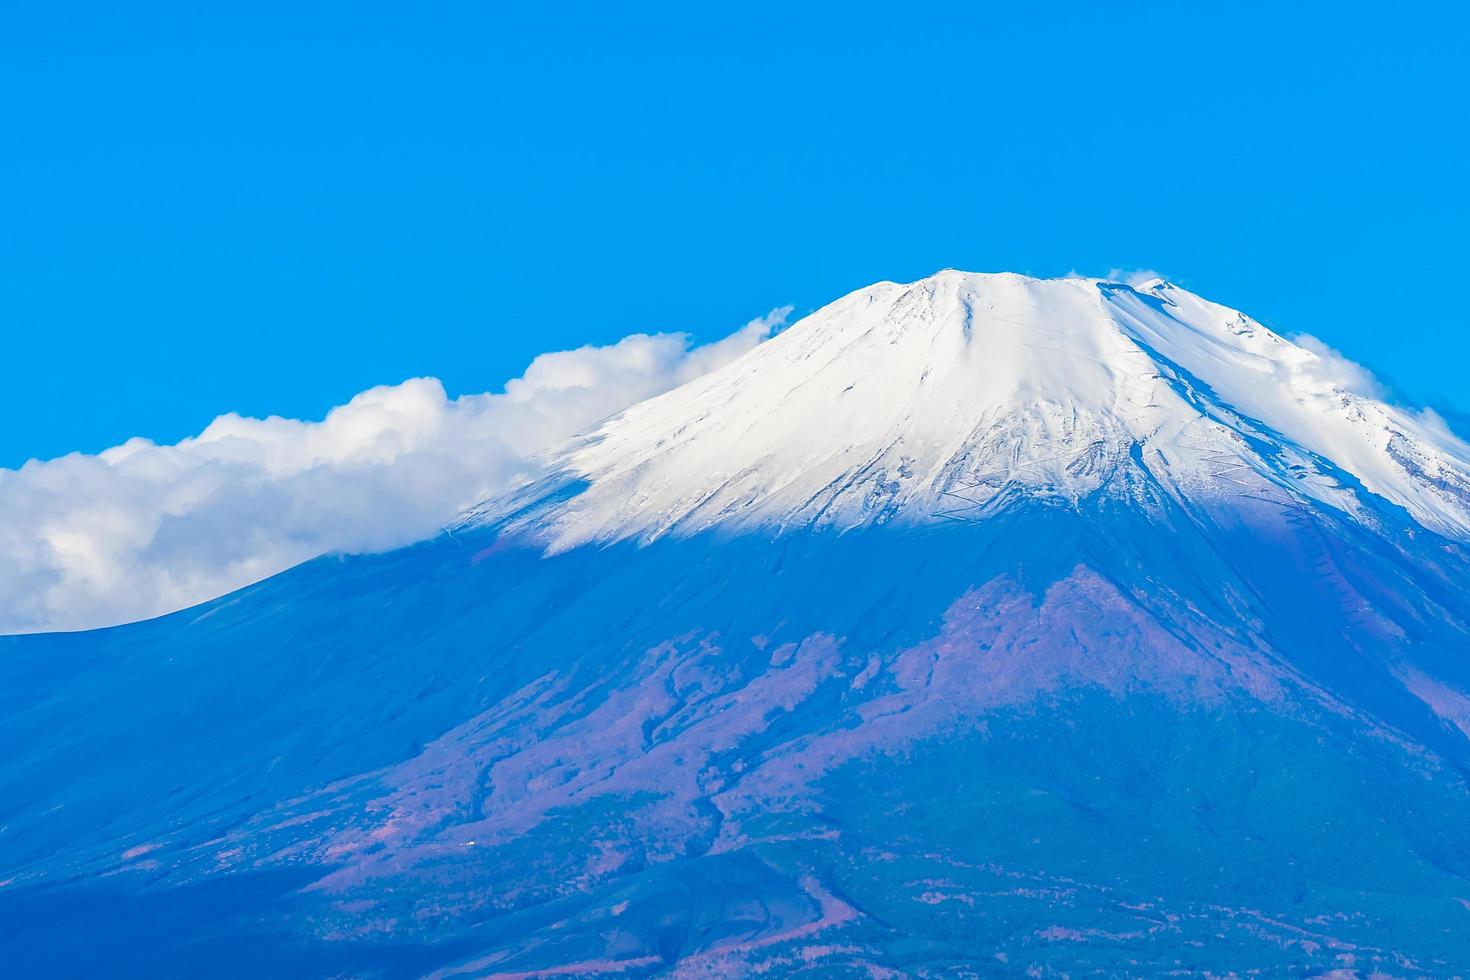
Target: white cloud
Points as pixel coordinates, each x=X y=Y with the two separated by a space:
x=1130 y=277
x=142 y=529
x=1134 y=277
x=1334 y=369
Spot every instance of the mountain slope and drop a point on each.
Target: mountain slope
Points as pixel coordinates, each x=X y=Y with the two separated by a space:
x=1016 y=655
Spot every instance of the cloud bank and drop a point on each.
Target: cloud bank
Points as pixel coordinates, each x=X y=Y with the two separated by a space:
x=142 y=529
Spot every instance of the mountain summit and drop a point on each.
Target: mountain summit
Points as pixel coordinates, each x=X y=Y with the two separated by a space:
x=980 y=625
x=949 y=397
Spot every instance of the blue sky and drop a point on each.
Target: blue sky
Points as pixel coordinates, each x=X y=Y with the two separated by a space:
x=267 y=208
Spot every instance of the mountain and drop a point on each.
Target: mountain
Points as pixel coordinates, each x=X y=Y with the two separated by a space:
x=981 y=624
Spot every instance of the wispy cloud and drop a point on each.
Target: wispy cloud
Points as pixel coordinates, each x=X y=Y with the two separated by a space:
x=1134 y=277
x=1131 y=277
x=142 y=529
x=1335 y=368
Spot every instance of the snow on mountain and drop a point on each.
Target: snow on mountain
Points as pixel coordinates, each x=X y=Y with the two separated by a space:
x=947 y=397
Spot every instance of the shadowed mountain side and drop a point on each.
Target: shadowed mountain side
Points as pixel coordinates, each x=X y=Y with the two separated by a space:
x=1076 y=733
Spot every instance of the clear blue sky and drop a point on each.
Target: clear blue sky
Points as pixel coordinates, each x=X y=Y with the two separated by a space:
x=269 y=207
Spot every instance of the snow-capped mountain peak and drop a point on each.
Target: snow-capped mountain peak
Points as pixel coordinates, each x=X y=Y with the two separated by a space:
x=948 y=398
